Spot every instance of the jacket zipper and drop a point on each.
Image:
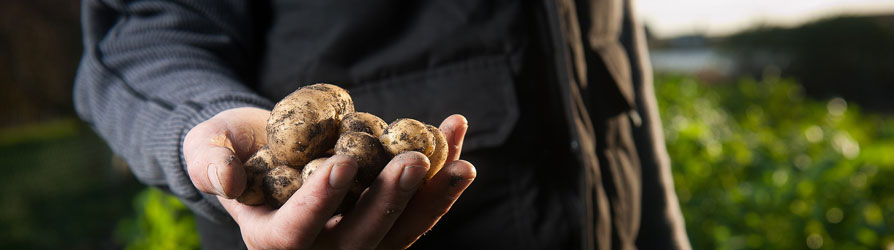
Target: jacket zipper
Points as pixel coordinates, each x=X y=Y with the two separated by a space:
x=563 y=78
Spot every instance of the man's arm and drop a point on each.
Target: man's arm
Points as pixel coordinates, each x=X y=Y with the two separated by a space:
x=159 y=76
x=152 y=70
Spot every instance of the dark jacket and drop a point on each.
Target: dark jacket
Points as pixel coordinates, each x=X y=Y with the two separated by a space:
x=563 y=124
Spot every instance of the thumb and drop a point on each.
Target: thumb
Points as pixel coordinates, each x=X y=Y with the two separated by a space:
x=211 y=162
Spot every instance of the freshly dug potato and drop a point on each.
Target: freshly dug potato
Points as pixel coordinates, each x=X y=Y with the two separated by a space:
x=280 y=183
x=410 y=135
x=305 y=123
x=439 y=156
x=311 y=167
x=319 y=121
x=255 y=169
x=362 y=122
x=406 y=135
x=371 y=157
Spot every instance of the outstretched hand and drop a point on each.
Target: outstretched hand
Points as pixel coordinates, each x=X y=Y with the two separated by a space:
x=396 y=210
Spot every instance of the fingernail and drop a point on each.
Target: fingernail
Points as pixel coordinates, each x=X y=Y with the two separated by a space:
x=411 y=177
x=342 y=176
x=213 y=176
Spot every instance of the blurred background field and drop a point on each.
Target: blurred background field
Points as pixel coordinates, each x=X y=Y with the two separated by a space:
x=758 y=165
x=781 y=135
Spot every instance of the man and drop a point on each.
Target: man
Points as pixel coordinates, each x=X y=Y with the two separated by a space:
x=563 y=126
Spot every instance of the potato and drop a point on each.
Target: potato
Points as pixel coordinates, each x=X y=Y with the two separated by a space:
x=371 y=157
x=305 y=123
x=406 y=135
x=319 y=121
x=439 y=156
x=362 y=122
x=280 y=183
x=311 y=167
x=255 y=169
x=411 y=135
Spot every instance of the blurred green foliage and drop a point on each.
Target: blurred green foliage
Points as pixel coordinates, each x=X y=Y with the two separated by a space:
x=62 y=189
x=160 y=222
x=59 y=188
x=758 y=166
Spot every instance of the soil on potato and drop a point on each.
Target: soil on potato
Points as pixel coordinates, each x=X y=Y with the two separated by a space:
x=359 y=126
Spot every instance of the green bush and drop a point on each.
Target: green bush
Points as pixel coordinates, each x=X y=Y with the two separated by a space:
x=759 y=166
x=160 y=222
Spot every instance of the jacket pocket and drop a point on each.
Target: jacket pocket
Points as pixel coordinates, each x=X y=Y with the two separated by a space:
x=482 y=89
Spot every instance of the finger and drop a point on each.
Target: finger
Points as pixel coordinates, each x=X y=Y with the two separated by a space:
x=454 y=129
x=211 y=162
x=254 y=223
x=381 y=205
x=303 y=216
x=246 y=215
x=429 y=204
x=246 y=129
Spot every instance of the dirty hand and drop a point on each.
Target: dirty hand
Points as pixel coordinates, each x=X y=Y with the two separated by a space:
x=396 y=210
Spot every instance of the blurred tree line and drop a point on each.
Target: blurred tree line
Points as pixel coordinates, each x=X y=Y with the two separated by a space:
x=848 y=56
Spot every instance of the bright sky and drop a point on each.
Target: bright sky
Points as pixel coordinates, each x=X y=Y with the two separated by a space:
x=668 y=18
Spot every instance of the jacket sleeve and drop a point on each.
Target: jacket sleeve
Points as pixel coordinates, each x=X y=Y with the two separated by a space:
x=151 y=70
